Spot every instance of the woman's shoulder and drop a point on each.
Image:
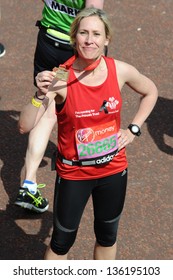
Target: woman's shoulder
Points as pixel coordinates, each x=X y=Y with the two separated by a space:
x=123 y=67
x=118 y=63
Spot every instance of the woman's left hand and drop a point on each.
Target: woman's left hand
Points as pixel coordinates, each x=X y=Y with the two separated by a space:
x=125 y=137
x=44 y=79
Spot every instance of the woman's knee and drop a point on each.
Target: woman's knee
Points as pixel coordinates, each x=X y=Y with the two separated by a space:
x=62 y=240
x=106 y=231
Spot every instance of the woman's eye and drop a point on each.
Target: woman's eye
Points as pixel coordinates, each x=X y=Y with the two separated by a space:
x=82 y=32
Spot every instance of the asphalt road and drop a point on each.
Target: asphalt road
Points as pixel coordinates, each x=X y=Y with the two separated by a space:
x=142 y=37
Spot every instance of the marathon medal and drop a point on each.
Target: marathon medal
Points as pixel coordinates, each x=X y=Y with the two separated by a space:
x=61 y=73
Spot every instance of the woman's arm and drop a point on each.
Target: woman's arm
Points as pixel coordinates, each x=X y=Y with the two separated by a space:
x=34 y=110
x=127 y=74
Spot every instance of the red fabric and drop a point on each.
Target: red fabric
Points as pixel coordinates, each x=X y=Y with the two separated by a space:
x=81 y=110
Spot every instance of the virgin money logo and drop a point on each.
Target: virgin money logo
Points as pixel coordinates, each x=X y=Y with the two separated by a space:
x=85 y=135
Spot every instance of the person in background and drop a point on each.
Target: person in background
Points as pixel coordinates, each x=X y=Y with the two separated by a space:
x=2 y=50
x=52 y=49
x=91 y=142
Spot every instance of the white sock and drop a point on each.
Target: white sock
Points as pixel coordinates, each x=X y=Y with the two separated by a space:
x=31 y=186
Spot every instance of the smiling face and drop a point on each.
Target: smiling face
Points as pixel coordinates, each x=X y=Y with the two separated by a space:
x=91 y=38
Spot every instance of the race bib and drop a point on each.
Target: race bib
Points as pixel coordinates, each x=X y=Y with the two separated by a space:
x=97 y=142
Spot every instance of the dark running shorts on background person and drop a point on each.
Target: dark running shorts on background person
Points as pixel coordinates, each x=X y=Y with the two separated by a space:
x=47 y=55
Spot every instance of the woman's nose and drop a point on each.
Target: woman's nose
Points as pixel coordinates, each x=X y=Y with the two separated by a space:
x=89 y=39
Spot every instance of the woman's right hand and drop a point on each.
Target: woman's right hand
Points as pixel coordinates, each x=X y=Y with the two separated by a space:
x=44 y=79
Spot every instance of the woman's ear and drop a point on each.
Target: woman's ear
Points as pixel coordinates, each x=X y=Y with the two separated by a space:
x=107 y=42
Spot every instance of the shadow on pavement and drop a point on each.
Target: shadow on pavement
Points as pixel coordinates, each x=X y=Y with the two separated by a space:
x=17 y=244
x=160 y=124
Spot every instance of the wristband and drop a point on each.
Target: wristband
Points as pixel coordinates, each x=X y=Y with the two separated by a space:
x=36 y=96
x=35 y=103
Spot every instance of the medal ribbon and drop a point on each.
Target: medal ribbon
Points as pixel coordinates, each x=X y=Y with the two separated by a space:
x=70 y=61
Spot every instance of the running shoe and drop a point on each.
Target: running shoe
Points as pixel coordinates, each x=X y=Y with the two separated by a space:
x=2 y=50
x=34 y=202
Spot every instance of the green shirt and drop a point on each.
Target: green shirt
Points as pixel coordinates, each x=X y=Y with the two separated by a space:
x=59 y=13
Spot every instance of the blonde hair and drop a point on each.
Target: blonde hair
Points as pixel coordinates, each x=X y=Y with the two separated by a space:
x=87 y=12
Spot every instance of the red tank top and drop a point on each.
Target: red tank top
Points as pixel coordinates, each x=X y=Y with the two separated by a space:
x=86 y=127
